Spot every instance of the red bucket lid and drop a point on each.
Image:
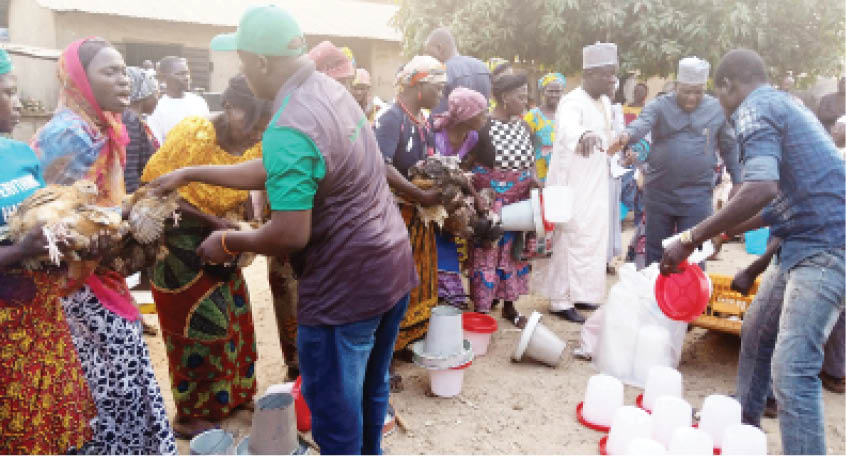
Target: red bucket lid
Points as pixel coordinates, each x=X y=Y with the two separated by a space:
x=683 y=296
x=478 y=322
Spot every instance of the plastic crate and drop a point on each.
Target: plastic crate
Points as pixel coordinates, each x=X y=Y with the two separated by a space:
x=726 y=308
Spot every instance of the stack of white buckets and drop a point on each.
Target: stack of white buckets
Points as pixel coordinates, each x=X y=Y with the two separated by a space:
x=662 y=421
x=444 y=351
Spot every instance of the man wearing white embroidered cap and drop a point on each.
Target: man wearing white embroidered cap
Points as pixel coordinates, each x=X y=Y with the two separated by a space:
x=689 y=130
x=575 y=275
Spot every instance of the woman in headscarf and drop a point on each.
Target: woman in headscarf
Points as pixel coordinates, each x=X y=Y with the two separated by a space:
x=541 y=120
x=45 y=404
x=333 y=62
x=143 y=99
x=503 y=160
x=456 y=133
x=405 y=137
x=204 y=311
x=85 y=139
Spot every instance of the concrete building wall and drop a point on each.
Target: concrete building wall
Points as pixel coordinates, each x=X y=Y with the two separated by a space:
x=386 y=58
x=31 y=24
x=37 y=79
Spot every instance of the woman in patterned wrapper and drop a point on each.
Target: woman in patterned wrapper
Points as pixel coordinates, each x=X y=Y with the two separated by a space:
x=503 y=160
x=41 y=380
x=86 y=139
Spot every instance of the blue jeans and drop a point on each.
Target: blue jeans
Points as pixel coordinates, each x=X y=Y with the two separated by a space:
x=345 y=380
x=784 y=338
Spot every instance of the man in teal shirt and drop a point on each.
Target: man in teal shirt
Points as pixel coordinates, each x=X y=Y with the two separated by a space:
x=333 y=216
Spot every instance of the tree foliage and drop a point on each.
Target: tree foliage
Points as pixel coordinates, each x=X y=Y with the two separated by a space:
x=652 y=35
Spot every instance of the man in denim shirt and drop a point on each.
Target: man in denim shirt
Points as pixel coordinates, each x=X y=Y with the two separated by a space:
x=793 y=179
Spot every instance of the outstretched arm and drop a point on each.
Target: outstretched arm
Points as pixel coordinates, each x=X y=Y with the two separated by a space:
x=249 y=175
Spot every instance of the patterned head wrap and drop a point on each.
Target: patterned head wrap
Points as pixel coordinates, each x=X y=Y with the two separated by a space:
x=421 y=68
x=362 y=77
x=349 y=53
x=464 y=104
x=331 y=61
x=142 y=84
x=549 y=78
x=5 y=62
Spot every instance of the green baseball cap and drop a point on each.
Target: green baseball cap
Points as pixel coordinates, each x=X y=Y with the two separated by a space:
x=264 y=30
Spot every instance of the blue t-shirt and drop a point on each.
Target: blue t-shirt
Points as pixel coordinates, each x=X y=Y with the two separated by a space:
x=20 y=176
x=781 y=141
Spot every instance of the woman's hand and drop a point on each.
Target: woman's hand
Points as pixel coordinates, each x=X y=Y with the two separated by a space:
x=211 y=250
x=429 y=198
x=35 y=242
x=99 y=246
x=169 y=182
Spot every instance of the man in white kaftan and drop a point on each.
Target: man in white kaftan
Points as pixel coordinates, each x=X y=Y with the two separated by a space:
x=575 y=275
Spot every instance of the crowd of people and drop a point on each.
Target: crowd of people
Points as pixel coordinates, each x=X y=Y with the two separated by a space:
x=320 y=167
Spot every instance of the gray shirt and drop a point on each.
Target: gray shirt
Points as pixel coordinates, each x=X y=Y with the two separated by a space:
x=468 y=72
x=683 y=157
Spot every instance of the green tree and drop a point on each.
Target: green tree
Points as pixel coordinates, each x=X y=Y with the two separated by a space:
x=806 y=37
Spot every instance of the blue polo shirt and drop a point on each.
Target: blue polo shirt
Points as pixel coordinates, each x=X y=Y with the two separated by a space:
x=781 y=141
x=20 y=176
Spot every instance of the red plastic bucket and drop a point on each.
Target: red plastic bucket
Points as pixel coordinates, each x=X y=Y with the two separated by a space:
x=300 y=407
x=683 y=296
x=478 y=329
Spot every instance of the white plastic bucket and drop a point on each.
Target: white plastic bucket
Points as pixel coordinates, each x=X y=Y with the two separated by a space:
x=603 y=396
x=518 y=216
x=670 y=413
x=662 y=381
x=744 y=439
x=557 y=204
x=646 y=447
x=479 y=341
x=691 y=441
x=719 y=412
x=653 y=349
x=539 y=343
x=447 y=382
x=628 y=424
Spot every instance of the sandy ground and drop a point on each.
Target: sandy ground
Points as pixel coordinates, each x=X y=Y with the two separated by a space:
x=506 y=407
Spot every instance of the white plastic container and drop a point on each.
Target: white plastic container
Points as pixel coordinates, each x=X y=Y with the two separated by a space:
x=603 y=396
x=518 y=216
x=661 y=381
x=479 y=341
x=744 y=439
x=653 y=349
x=478 y=329
x=213 y=441
x=646 y=447
x=557 y=204
x=445 y=335
x=691 y=441
x=539 y=343
x=719 y=412
x=670 y=413
x=447 y=382
x=628 y=424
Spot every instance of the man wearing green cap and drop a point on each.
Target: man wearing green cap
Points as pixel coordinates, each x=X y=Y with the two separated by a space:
x=333 y=216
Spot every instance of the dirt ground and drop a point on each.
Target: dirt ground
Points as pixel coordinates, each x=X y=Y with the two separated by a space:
x=505 y=407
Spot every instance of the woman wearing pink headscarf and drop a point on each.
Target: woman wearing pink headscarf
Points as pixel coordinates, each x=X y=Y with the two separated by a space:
x=85 y=139
x=456 y=133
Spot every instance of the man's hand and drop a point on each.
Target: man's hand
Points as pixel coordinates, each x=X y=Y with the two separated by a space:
x=589 y=143
x=211 y=250
x=674 y=255
x=168 y=182
x=743 y=282
x=619 y=143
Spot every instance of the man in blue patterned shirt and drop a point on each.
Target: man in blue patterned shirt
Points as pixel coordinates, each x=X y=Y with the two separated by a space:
x=795 y=181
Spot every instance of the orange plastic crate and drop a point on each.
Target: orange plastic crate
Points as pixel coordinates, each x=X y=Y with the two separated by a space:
x=726 y=309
